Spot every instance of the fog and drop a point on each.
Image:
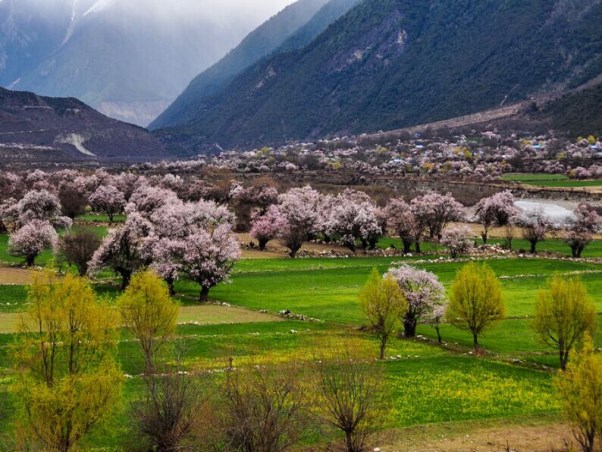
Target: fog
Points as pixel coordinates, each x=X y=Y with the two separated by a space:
x=127 y=58
x=248 y=12
x=215 y=11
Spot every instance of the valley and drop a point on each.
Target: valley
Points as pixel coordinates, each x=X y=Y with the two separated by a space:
x=281 y=313
x=311 y=225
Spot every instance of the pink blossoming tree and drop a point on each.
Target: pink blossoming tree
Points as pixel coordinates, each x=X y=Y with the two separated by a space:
x=41 y=205
x=147 y=199
x=32 y=239
x=182 y=228
x=353 y=217
x=300 y=208
x=458 y=240
x=535 y=225
x=422 y=290
x=401 y=221
x=495 y=211
x=208 y=256
x=267 y=227
x=434 y=211
x=107 y=199
x=582 y=228
x=122 y=250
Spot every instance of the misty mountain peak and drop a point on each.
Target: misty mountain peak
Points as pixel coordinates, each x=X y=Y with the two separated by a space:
x=129 y=58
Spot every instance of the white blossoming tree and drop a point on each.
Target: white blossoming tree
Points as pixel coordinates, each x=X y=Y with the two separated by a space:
x=423 y=292
x=30 y=240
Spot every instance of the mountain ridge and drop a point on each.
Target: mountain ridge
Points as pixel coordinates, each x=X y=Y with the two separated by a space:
x=129 y=58
x=37 y=128
x=290 y=29
x=389 y=64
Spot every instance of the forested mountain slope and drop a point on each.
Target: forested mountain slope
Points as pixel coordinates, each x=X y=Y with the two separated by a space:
x=393 y=63
x=291 y=29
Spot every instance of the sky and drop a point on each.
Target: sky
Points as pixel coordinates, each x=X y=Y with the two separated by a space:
x=254 y=11
x=222 y=10
x=249 y=11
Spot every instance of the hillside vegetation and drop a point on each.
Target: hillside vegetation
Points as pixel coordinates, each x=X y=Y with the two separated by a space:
x=291 y=28
x=393 y=63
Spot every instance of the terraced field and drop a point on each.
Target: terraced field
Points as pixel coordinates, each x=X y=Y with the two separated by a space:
x=429 y=386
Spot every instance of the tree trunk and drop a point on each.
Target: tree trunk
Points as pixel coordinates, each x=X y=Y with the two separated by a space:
x=204 y=295
x=262 y=244
x=417 y=246
x=484 y=236
x=564 y=358
x=125 y=278
x=407 y=244
x=591 y=439
x=533 y=245
x=149 y=363
x=573 y=251
x=475 y=341
x=383 y=344
x=351 y=246
x=439 y=339
x=170 y=286
x=30 y=259
x=349 y=441
x=110 y=214
x=364 y=244
x=372 y=242
x=409 y=327
x=294 y=247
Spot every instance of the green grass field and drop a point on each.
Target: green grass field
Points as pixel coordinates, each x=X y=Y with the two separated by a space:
x=549 y=180
x=91 y=217
x=426 y=383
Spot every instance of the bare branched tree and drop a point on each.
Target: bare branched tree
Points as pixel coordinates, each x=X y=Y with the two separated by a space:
x=264 y=409
x=79 y=247
x=165 y=417
x=348 y=388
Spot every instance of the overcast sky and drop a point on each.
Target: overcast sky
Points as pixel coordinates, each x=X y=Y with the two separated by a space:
x=253 y=10
x=222 y=11
x=256 y=11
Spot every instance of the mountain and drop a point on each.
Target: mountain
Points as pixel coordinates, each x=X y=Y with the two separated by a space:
x=388 y=64
x=127 y=58
x=576 y=113
x=291 y=29
x=45 y=129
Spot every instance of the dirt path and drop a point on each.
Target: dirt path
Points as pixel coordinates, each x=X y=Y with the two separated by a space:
x=216 y=314
x=517 y=438
x=10 y=275
x=194 y=315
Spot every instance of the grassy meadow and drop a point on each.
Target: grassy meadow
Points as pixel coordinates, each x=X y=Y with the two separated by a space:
x=549 y=180
x=425 y=383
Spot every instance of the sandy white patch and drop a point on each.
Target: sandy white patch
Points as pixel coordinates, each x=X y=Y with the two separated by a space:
x=77 y=141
